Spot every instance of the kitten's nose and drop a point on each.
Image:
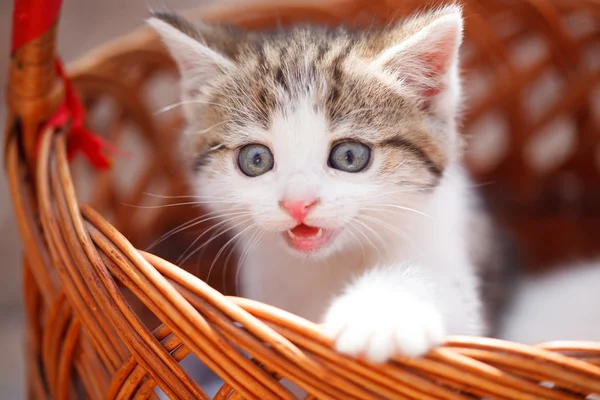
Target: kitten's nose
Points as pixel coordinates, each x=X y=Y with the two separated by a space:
x=298 y=209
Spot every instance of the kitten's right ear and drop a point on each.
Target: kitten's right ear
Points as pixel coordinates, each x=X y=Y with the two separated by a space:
x=197 y=62
x=426 y=57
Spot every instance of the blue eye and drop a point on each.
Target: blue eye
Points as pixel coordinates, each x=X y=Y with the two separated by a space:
x=255 y=160
x=349 y=157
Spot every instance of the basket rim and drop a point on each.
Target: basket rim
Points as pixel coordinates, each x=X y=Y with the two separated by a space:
x=214 y=12
x=461 y=359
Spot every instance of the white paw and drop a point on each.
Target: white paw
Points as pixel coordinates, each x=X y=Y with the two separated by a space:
x=378 y=326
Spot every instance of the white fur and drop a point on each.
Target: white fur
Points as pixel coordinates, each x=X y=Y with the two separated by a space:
x=400 y=297
x=397 y=278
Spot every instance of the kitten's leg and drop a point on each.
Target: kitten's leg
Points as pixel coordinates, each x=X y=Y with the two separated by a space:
x=402 y=309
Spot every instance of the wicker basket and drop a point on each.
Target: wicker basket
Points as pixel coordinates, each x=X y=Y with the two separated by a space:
x=87 y=286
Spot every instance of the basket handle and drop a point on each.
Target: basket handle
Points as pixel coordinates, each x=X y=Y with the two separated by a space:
x=33 y=91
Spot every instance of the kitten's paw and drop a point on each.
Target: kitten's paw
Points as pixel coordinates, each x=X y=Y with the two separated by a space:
x=381 y=326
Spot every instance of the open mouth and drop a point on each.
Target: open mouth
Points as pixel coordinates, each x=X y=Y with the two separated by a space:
x=308 y=238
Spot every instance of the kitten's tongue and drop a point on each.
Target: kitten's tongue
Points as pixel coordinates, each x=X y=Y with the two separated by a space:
x=308 y=238
x=305 y=231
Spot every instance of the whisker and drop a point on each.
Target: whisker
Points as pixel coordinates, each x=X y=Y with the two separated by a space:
x=161 y=205
x=233 y=248
x=171 y=232
x=201 y=254
x=393 y=192
x=397 y=167
x=405 y=209
x=377 y=235
x=384 y=210
x=161 y=196
x=405 y=190
x=216 y=234
x=209 y=128
x=383 y=223
x=181 y=103
x=200 y=203
x=225 y=247
x=362 y=247
x=226 y=265
x=240 y=260
x=183 y=259
x=241 y=263
x=393 y=229
x=251 y=243
x=186 y=203
x=196 y=221
x=377 y=251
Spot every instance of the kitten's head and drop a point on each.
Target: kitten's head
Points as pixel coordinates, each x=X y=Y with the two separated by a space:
x=319 y=139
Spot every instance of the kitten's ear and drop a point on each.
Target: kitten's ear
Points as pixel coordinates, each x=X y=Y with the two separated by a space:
x=196 y=61
x=426 y=60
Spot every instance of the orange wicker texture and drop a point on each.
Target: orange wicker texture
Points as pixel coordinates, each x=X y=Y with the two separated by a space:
x=88 y=289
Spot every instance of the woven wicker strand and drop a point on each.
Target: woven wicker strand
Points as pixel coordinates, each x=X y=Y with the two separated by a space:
x=109 y=321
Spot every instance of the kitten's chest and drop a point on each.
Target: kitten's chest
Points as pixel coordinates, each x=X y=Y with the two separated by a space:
x=304 y=288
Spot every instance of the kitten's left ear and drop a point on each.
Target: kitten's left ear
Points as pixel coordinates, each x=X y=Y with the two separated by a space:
x=426 y=61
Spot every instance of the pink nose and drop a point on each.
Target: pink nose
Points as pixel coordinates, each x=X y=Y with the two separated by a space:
x=297 y=209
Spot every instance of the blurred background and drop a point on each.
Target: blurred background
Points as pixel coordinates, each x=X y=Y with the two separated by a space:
x=561 y=306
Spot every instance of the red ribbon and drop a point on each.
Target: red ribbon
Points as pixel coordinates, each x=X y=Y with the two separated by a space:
x=80 y=139
x=31 y=19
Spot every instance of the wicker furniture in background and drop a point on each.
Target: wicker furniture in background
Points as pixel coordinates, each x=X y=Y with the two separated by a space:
x=87 y=284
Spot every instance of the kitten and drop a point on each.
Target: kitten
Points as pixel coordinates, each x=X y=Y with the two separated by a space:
x=336 y=157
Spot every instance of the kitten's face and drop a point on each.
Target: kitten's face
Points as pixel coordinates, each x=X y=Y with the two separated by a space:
x=318 y=141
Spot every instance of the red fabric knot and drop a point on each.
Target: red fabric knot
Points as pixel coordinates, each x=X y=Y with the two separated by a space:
x=31 y=19
x=95 y=149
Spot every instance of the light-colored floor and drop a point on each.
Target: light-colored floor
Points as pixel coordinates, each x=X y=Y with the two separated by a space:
x=84 y=24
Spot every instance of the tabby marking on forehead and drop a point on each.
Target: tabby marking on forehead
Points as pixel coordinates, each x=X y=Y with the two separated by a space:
x=272 y=72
